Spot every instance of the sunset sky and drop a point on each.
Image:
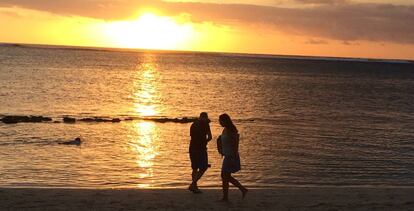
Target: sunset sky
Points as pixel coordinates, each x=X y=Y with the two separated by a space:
x=344 y=28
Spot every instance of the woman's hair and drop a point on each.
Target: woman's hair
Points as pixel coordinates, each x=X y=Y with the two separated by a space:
x=227 y=123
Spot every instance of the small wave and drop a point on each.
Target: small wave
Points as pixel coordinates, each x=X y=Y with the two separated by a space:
x=31 y=141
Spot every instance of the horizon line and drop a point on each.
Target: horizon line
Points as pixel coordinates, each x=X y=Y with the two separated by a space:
x=239 y=54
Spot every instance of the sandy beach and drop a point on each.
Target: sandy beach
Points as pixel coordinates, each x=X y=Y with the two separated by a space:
x=179 y=199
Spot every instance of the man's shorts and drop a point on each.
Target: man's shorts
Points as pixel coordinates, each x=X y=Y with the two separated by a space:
x=199 y=159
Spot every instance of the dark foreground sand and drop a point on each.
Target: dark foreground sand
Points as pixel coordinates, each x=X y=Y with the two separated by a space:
x=178 y=199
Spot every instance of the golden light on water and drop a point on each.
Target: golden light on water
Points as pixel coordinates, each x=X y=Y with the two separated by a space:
x=146 y=95
x=146 y=102
x=145 y=147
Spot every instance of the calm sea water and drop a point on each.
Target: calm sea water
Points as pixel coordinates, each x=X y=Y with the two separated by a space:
x=302 y=122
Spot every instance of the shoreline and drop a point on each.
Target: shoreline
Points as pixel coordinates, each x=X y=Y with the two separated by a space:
x=184 y=187
x=283 y=198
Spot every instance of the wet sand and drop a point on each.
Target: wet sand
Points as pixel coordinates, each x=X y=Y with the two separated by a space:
x=179 y=199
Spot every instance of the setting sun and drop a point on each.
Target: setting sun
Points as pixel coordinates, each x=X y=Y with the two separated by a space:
x=149 y=31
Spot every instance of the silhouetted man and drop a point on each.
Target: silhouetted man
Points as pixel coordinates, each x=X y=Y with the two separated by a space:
x=200 y=135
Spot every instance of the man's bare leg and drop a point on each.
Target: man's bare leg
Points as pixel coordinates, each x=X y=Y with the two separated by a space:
x=196 y=175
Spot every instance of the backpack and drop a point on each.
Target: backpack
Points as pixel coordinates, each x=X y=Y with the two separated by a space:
x=220 y=144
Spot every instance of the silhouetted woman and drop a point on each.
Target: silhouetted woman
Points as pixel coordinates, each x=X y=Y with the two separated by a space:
x=230 y=149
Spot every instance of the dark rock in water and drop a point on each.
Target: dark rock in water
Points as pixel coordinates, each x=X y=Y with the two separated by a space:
x=162 y=120
x=12 y=119
x=69 y=120
x=102 y=120
x=39 y=119
x=116 y=120
x=187 y=120
x=96 y=119
x=18 y=119
x=183 y=120
x=87 y=120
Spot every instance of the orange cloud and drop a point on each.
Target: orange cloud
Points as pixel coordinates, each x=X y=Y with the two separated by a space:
x=334 y=19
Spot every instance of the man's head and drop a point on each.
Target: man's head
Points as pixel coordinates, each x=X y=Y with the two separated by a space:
x=204 y=117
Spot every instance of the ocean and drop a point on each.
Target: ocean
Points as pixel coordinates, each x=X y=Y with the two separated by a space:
x=303 y=121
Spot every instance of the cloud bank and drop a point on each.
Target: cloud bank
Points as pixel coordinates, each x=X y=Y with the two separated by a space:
x=332 y=19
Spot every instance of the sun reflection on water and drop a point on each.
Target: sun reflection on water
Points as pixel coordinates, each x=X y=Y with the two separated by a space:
x=146 y=103
x=146 y=97
x=144 y=145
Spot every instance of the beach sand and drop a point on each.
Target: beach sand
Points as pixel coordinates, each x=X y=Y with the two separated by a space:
x=178 y=199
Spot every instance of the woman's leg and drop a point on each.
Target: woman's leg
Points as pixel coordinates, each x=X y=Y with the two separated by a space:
x=236 y=183
x=225 y=183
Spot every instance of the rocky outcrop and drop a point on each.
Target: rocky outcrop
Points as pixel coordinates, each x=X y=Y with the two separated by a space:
x=96 y=119
x=69 y=120
x=19 y=119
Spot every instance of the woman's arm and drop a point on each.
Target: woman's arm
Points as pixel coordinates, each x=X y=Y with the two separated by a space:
x=236 y=143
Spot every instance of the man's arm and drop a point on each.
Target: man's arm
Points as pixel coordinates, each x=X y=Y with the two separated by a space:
x=209 y=136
